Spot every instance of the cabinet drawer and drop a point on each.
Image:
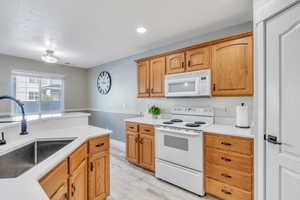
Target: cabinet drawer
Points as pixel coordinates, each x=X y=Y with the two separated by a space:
x=99 y=144
x=147 y=129
x=52 y=182
x=229 y=143
x=224 y=191
x=229 y=176
x=77 y=157
x=232 y=160
x=133 y=127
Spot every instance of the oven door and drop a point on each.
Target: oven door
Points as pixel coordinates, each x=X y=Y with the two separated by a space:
x=183 y=87
x=179 y=148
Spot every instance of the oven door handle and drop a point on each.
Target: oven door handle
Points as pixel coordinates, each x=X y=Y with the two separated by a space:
x=178 y=132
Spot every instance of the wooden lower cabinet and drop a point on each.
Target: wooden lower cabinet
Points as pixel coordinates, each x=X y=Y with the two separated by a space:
x=84 y=175
x=61 y=193
x=228 y=166
x=78 y=183
x=146 y=152
x=140 y=145
x=99 y=176
x=132 y=147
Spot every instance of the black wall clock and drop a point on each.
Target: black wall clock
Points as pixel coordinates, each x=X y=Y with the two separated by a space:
x=104 y=83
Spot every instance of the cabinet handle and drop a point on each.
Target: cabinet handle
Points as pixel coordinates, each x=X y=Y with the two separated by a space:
x=100 y=145
x=136 y=140
x=147 y=90
x=142 y=141
x=182 y=65
x=226 y=192
x=226 y=143
x=226 y=175
x=73 y=189
x=92 y=166
x=225 y=159
x=146 y=130
x=152 y=90
x=66 y=197
x=214 y=87
x=189 y=63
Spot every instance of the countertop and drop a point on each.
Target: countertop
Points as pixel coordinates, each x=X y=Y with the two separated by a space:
x=26 y=186
x=36 y=118
x=215 y=128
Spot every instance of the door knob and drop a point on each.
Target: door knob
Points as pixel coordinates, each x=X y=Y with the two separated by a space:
x=272 y=139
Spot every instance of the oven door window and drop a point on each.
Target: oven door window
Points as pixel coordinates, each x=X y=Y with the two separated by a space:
x=186 y=86
x=176 y=142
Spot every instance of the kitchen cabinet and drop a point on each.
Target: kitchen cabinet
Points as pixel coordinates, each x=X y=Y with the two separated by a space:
x=140 y=145
x=143 y=81
x=157 y=77
x=175 y=63
x=78 y=182
x=98 y=176
x=62 y=193
x=228 y=166
x=198 y=59
x=230 y=60
x=83 y=175
x=232 y=70
x=151 y=77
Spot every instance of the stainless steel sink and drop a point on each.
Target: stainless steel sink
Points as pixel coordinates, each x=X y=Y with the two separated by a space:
x=20 y=160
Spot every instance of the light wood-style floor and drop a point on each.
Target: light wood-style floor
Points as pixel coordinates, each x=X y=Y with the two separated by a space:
x=129 y=182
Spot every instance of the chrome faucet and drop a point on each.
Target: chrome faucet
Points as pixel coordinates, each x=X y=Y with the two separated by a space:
x=23 y=121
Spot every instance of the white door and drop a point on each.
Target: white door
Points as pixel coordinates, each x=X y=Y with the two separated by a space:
x=283 y=105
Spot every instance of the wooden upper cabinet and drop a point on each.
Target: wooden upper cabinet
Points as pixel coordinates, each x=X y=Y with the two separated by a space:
x=157 y=77
x=175 y=63
x=232 y=68
x=99 y=176
x=78 y=183
x=198 y=59
x=143 y=79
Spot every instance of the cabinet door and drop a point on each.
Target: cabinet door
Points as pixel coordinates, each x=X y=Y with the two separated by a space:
x=147 y=152
x=61 y=193
x=232 y=68
x=175 y=63
x=78 y=183
x=132 y=147
x=198 y=59
x=157 y=77
x=143 y=79
x=99 y=176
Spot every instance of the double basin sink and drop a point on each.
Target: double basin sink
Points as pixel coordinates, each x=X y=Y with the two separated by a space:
x=16 y=162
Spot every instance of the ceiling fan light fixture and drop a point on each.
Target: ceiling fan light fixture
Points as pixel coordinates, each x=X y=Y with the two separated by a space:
x=49 y=57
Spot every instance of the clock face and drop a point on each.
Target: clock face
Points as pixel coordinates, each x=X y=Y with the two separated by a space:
x=104 y=82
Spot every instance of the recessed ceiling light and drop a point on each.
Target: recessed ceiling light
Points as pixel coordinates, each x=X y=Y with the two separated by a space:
x=141 y=30
x=49 y=57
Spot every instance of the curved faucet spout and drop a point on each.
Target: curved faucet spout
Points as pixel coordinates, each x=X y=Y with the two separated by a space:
x=21 y=105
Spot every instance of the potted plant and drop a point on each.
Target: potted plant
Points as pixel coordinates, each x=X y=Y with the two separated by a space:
x=155 y=111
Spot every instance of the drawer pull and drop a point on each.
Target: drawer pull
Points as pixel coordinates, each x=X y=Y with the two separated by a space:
x=226 y=175
x=100 y=145
x=226 y=143
x=225 y=159
x=66 y=197
x=226 y=192
x=131 y=127
x=147 y=130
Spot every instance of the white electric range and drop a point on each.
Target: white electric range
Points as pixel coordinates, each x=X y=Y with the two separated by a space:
x=179 y=147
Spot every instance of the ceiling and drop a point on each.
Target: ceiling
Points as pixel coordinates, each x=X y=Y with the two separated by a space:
x=89 y=33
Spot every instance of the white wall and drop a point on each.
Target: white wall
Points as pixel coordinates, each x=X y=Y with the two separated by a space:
x=76 y=82
x=122 y=97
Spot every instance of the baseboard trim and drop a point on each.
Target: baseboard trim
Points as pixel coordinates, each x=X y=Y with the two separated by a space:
x=118 y=144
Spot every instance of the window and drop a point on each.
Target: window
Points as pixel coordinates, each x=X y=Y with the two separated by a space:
x=40 y=92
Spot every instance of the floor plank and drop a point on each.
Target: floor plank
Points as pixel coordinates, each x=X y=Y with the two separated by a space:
x=129 y=182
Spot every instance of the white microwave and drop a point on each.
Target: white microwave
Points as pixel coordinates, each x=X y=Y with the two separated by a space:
x=188 y=84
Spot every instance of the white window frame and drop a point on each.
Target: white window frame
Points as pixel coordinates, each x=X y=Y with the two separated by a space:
x=38 y=75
